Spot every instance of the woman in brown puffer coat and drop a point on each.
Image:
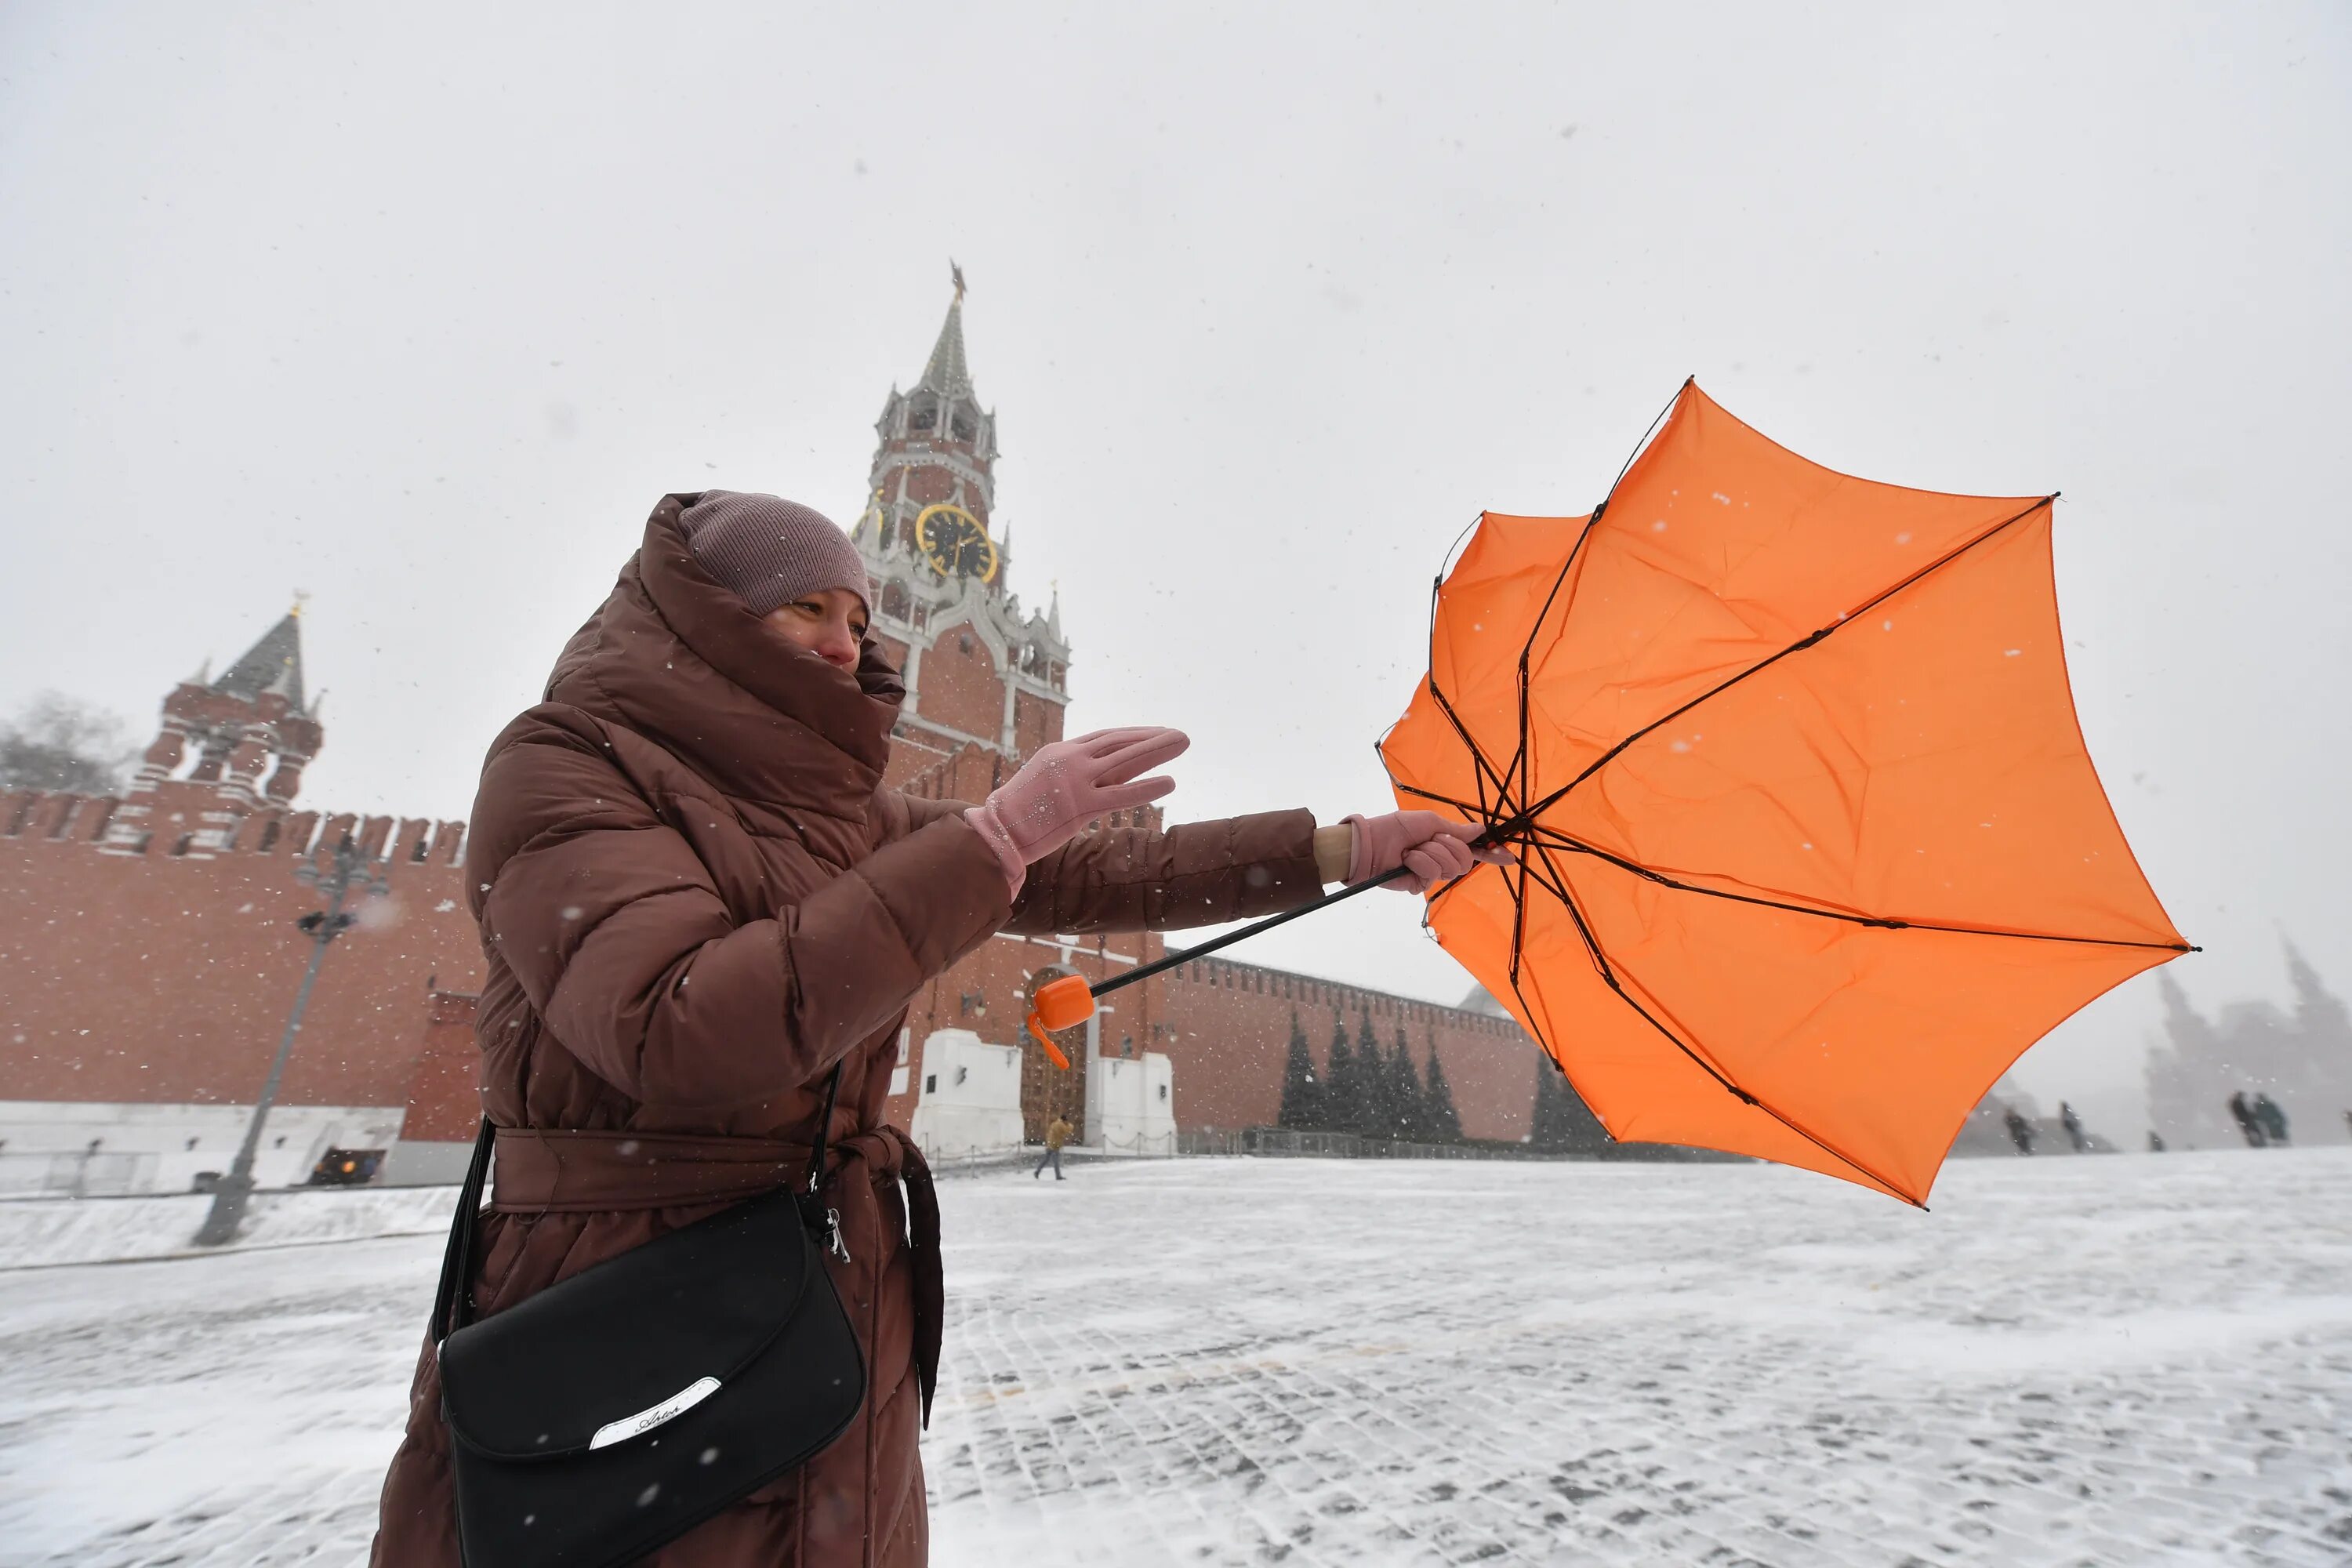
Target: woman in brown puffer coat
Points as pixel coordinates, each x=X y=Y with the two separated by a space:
x=697 y=898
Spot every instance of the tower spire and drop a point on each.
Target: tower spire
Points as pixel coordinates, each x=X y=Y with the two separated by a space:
x=948 y=373
x=273 y=664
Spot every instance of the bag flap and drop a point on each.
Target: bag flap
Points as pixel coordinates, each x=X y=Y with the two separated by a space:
x=621 y=1347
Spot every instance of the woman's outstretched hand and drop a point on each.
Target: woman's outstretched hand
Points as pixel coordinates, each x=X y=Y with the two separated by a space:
x=1067 y=785
x=1431 y=847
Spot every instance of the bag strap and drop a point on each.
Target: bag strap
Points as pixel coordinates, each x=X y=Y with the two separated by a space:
x=823 y=1128
x=452 y=1303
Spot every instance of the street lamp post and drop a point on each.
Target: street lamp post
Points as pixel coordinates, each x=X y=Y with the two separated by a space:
x=349 y=871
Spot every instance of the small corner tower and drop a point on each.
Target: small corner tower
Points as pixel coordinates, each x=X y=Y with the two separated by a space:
x=979 y=670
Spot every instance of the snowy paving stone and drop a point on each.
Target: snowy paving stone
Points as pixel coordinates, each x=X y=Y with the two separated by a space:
x=2122 y=1361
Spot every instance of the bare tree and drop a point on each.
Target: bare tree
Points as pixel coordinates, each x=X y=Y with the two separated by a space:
x=59 y=742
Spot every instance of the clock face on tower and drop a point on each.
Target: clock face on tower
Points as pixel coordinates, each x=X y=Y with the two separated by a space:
x=955 y=544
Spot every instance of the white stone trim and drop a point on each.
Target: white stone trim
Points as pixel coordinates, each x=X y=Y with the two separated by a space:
x=143 y=1148
x=936 y=728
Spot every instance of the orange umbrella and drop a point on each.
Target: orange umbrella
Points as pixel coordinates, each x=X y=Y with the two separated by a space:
x=1810 y=845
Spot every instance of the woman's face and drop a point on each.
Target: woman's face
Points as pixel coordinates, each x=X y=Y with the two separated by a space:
x=829 y=623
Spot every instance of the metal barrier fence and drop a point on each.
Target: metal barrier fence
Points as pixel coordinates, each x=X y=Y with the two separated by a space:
x=1141 y=1146
x=1291 y=1143
x=1288 y=1144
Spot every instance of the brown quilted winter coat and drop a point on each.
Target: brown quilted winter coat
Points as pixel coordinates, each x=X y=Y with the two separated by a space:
x=696 y=897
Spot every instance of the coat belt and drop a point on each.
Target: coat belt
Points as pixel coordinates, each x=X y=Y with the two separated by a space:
x=550 y=1171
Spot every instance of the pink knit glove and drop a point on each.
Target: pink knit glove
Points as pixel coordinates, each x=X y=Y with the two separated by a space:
x=1432 y=848
x=1067 y=785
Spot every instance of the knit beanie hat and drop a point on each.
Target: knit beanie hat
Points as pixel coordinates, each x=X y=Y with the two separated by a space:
x=771 y=550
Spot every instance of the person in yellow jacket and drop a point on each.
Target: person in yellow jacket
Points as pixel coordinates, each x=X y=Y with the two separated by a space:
x=1057 y=1132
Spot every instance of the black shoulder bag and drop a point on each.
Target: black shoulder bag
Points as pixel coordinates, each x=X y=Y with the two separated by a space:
x=617 y=1410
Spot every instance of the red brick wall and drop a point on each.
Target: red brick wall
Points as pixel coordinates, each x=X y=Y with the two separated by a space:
x=967 y=773
x=1230 y=1026
x=927 y=484
x=156 y=979
x=1035 y=722
x=958 y=684
x=915 y=752
x=445 y=1093
x=181 y=970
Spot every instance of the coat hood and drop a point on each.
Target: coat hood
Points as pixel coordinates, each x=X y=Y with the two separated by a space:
x=677 y=658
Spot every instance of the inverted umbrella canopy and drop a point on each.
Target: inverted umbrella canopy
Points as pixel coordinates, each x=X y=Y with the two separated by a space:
x=1810 y=845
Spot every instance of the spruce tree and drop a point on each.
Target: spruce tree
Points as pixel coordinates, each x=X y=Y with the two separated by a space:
x=1375 y=1100
x=1544 y=1127
x=1338 y=1110
x=1405 y=1093
x=1302 y=1095
x=1562 y=1120
x=1444 y=1125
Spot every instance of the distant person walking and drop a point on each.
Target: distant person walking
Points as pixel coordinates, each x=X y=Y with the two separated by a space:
x=2074 y=1126
x=2155 y=1142
x=1057 y=1132
x=2273 y=1117
x=2021 y=1131
x=2244 y=1115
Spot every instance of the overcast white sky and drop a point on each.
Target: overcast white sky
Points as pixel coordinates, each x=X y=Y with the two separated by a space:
x=420 y=309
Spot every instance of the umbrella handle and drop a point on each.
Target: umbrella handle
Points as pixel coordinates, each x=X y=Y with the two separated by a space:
x=1060 y=1004
x=1053 y=1052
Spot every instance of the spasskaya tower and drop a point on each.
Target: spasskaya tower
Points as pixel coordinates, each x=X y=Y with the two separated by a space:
x=979 y=670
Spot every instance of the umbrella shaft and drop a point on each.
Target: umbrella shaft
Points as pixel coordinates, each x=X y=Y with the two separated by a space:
x=1161 y=965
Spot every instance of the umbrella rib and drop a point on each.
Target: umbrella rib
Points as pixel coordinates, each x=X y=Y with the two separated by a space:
x=1557 y=885
x=1478 y=759
x=1882 y=923
x=1480 y=764
x=1485 y=767
x=1803 y=643
x=1518 y=925
x=1535 y=630
x=2044 y=936
x=1438 y=695
x=1461 y=806
x=1559 y=889
x=1639 y=446
x=1521 y=758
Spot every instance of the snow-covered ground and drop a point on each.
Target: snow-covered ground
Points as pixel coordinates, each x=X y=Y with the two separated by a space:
x=45 y=1233
x=2133 y=1360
